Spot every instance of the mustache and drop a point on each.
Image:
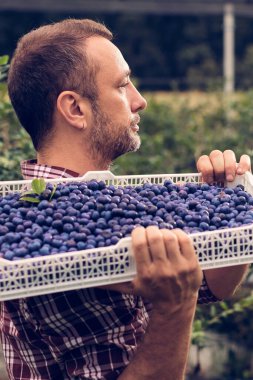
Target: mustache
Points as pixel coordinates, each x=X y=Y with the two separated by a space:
x=135 y=120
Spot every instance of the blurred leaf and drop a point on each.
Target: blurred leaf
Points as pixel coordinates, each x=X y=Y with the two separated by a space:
x=38 y=185
x=29 y=199
x=4 y=59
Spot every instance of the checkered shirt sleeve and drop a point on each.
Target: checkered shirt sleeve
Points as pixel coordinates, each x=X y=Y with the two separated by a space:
x=85 y=334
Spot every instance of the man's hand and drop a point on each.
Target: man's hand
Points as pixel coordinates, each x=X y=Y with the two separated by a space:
x=220 y=166
x=168 y=272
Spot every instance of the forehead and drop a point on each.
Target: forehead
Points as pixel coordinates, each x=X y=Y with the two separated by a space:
x=108 y=57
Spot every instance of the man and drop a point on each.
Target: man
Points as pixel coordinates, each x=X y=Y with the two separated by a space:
x=71 y=89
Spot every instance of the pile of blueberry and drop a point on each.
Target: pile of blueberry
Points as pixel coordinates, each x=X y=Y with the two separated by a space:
x=84 y=215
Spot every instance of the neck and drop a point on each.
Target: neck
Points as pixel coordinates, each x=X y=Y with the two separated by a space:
x=71 y=159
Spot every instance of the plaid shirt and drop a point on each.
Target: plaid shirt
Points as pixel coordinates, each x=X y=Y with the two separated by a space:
x=81 y=334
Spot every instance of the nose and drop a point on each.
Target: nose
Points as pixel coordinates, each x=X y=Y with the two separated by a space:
x=138 y=102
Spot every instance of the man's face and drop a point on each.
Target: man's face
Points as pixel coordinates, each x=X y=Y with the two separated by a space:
x=114 y=129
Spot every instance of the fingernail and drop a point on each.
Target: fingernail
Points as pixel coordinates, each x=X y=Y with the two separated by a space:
x=229 y=177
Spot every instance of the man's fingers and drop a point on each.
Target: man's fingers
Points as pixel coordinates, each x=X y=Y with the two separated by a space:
x=205 y=167
x=217 y=160
x=219 y=166
x=244 y=164
x=230 y=165
x=140 y=248
x=157 y=250
x=185 y=244
x=171 y=245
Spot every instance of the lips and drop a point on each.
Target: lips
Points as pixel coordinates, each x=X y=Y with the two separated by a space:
x=136 y=119
x=134 y=123
x=135 y=128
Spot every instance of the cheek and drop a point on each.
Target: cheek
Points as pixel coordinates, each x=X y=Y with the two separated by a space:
x=116 y=107
x=118 y=113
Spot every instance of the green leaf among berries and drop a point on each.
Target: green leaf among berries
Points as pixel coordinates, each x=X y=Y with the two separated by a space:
x=30 y=199
x=38 y=185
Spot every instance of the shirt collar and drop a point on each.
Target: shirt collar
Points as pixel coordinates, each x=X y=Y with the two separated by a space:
x=31 y=169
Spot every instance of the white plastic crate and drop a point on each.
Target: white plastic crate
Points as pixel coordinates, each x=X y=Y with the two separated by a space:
x=115 y=264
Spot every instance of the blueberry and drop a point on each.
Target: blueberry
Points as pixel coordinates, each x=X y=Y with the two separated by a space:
x=21 y=252
x=58 y=215
x=180 y=223
x=71 y=211
x=68 y=219
x=16 y=221
x=196 y=218
x=31 y=215
x=40 y=219
x=68 y=227
x=38 y=232
x=56 y=243
x=242 y=199
x=34 y=246
x=20 y=228
x=57 y=224
x=188 y=218
x=9 y=255
x=114 y=240
x=241 y=207
x=93 y=185
x=192 y=224
x=12 y=237
x=81 y=245
x=43 y=205
x=47 y=238
x=3 y=230
x=65 y=191
x=248 y=221
x=118 y=212
x=204 y=226
x=192 y=204
x=205 y=187
x=48 y=211
x=48 y=220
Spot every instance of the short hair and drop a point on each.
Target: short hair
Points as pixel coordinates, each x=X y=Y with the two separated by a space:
x=47 y=61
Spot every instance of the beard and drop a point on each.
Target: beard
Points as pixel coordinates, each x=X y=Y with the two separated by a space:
x=109 y=140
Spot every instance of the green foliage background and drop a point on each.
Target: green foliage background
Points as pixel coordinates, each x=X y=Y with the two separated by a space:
x=164 y=51
x=175 y=133
x=15 y=144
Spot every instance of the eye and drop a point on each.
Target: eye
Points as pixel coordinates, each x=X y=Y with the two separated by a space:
x=124 y=84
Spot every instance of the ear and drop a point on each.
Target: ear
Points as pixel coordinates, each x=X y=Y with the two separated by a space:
x=73 y=108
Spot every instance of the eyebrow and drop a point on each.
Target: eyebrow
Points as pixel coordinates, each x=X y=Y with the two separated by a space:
x=128 y=72
x=124 y=75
